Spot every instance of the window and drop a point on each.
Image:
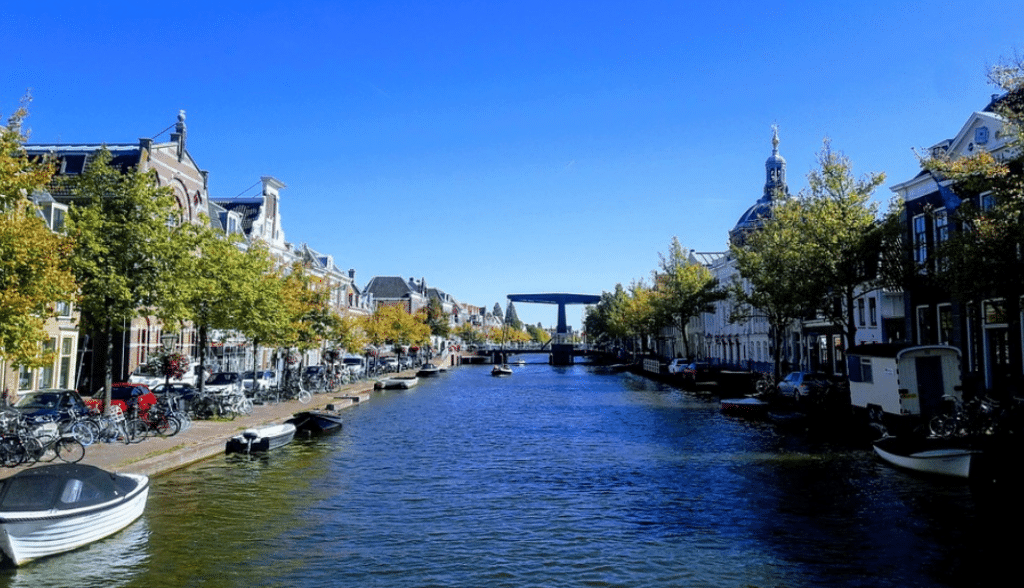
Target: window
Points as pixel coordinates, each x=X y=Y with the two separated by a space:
x=945 y=323
x=24 y=378
x=988 y=201
x=873 y=311
x=860 y=311
x=865 y=371
x=65 y=362
x=46 y=373
x=72 y=164
x=920 y=239
x=63 y=309
x=941 y=223
x=925 y=326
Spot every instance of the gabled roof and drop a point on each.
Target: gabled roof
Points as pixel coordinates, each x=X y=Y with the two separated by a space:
x=388 y=287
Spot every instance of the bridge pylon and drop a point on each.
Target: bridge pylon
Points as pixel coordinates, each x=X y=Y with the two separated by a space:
x=562 y=346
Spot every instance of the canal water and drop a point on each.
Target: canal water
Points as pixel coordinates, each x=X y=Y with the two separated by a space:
x=555 y=476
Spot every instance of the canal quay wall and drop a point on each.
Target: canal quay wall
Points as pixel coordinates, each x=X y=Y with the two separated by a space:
x=207 y=438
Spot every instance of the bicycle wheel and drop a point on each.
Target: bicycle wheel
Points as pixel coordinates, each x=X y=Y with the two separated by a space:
x=137 y=430
x=84 y=432
x=12 y=453
x=33 y=449
x=942 y=426
x=70 y=449
x=763 y=386
x=304 y=397
x=245 y=406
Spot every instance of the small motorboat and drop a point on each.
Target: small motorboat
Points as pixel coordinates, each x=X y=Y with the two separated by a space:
x=261 y=439
x=399 y=383
x=501 y=370
x=51 y=509
x=929 y=455
x=428 y=370
x=317 y=422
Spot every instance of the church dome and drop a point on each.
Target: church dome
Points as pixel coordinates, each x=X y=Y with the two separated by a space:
x=775 y=184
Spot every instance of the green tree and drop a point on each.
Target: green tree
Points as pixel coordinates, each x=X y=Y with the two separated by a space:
x=684 y=289
x=469 y=334
x=638 y=317
x=773 y=266
x=437 y=319
x=512 y=319
x=307 y=306
x=840 y=222
x=122 y=223
x=538 y=334
x=224 y=287
x=34 y=273
x=982 y=257
x=604 y=321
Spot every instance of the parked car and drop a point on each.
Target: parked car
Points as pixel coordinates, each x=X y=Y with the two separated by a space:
x=800 y=386
x=354 y=364
x=186 y=391
x=51 y=402
x=150 y=375
x=264 y=380
x=224 y=383
x=122 y=394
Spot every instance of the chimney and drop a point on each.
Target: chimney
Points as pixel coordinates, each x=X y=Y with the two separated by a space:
x=352 y=275
x=178 y=136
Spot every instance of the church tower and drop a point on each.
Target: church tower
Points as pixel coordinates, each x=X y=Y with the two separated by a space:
x=774 y=188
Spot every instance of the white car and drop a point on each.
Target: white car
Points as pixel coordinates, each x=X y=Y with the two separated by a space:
x=224 y=383
x=265 y=379
x=354 y=364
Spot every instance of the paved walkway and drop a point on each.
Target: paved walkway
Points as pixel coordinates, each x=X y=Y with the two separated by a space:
x=206 y=438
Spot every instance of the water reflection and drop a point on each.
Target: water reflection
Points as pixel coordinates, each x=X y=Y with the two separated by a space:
x=559 y=477
x=112 y=562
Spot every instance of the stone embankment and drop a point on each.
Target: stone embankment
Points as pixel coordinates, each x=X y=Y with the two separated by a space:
x=206 y=438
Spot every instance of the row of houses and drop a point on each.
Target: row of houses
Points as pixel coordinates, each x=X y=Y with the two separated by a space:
x=255 y=218
x=921 y=313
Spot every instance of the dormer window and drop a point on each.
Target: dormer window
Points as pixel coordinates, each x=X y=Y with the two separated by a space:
x=72 y=164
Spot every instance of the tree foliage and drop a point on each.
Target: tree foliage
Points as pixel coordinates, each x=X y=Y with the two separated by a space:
x=394 y=325
x=982 y=258
x=512 y=318
x=125 y=255
x=683 y=290
x=840 y=223
x=773 y=266
x=437 y=319
x=34 y=273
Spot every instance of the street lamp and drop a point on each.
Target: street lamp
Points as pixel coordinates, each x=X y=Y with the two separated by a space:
x=169 y=340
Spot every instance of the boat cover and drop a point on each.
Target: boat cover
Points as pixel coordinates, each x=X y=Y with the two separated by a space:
x=61 y=487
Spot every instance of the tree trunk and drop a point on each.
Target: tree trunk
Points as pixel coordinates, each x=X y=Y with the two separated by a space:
x=202 y=358
x=108 y=364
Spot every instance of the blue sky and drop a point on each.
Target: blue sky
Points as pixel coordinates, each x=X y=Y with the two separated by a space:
x=509 y=147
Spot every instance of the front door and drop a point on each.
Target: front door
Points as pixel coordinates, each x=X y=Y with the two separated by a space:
x=930 y=386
